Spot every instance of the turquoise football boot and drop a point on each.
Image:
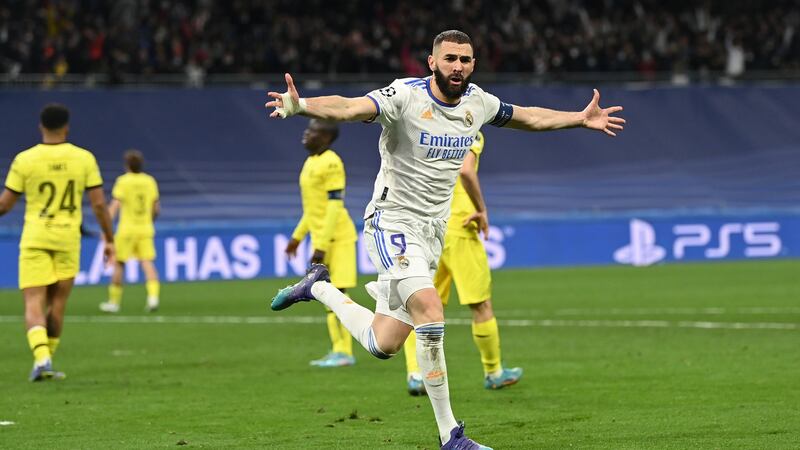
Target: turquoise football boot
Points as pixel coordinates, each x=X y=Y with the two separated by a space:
x=507 y=378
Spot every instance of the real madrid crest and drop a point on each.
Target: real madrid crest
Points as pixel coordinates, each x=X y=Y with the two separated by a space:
x=468 y=118
x=403 y=261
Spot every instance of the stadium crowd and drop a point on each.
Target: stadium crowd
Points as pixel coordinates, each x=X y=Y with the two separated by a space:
x=367 y=36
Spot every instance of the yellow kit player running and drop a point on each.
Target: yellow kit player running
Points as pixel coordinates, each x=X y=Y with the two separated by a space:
x=333 y=235
x=52 y=176
x=464 y=261
x=135 y=196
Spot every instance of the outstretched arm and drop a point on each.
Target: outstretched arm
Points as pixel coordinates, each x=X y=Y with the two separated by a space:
x=333 y=107
x=593 y=117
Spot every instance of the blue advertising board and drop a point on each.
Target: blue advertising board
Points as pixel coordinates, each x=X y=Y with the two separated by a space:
x=256 y=251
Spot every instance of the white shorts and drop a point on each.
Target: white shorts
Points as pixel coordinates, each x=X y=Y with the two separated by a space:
x=402 y=247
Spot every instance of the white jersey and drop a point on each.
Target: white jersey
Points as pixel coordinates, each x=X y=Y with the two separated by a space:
x=424 y=142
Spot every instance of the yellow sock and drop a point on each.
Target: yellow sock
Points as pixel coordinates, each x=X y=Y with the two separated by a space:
x=37 y=340
x=115 y=293
x=153 y=288
x=347 y=340
x=53 y=342
x=335 y=333
x=487 y=337
x=410 y=349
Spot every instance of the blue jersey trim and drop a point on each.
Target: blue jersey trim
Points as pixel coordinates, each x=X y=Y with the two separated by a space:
x=503 y=115
x=438 y=102
x=377 y=107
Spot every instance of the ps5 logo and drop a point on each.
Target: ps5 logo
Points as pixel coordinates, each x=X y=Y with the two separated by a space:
x=642 y=251
x=761 y=240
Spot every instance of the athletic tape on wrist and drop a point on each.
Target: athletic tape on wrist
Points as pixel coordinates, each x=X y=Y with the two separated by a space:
x=290 y=107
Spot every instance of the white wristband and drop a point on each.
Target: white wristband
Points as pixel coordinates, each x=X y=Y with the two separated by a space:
x=290 y=107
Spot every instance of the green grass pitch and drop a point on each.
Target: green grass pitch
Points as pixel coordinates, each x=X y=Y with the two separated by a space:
x=685 y=356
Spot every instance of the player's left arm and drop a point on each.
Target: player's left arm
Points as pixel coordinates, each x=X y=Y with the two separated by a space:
x=98 y=202
x=593 y=117
x=7 y=200
x=469 y=179
x=157 y=201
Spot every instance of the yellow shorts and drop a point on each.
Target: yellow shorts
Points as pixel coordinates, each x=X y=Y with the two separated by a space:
x=40 y=267
x=463 y=261
x=341 y=261
x=136 y=247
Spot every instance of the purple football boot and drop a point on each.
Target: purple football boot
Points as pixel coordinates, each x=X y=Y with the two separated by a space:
x=300 y=291
x=460 y=442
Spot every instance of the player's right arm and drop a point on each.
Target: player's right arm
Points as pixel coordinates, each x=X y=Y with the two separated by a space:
x=7 y=200
x=113 y=209
x=15 y=186
x=333 y=107
x=469 y=179
x=299 y=233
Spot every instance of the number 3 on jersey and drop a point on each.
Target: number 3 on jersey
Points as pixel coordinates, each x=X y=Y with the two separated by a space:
x=67 y=198
x=140 y=206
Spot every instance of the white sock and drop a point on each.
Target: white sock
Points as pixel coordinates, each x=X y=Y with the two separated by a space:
x=430 y=356
x=354 y=317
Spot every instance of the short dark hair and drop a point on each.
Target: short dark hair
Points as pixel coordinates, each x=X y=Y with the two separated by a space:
x=54 y=116
x=458 y=37
x=328 y=126
x=134 y=160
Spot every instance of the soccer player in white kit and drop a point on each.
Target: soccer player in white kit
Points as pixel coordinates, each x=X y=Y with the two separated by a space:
x=428 y=125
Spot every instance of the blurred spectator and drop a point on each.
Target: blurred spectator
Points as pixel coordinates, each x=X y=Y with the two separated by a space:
x=201 y=37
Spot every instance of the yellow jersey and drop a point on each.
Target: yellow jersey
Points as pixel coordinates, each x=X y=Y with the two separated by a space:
x=322 y=174
x=53 y=177
x=137 y=194
x=462 y=206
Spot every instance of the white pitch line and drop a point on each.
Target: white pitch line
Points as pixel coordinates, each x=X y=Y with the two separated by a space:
x=544 y=323
x=688 y=311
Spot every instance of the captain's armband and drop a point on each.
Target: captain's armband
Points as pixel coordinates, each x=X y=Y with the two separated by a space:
x=503 y=115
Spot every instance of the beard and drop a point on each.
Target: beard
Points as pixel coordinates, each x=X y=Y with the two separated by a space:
x=447 y=89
